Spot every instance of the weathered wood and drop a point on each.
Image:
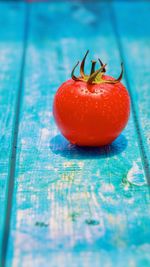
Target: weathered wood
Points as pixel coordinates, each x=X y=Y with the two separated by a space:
x=11 y=43
x=73 y=206
x=133 y=35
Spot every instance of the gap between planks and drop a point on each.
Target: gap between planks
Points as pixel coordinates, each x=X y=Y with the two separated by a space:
x=12 y=161
x=144 y=157
x=11 y=176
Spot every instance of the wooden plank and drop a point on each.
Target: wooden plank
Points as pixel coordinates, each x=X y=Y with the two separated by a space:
x=72 y=206
x=11 y=44
x=133 y=34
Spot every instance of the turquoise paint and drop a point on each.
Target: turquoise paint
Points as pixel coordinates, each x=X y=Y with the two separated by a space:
x=58 y=187
x=11 y=43
x=134 y=38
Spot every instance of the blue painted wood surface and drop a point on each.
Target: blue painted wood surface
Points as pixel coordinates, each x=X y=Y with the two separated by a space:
x=133 y=33
x=11 y=46
x=74 y=206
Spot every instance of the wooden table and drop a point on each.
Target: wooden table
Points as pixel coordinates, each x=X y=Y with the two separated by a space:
x=61 y=205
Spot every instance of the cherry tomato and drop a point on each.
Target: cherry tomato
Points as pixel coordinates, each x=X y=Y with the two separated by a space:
x=91 y=110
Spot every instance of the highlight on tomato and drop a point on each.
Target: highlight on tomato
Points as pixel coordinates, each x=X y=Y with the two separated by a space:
x=92 y=109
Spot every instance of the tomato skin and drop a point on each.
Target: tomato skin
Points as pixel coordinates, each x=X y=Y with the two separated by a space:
x=91 y=114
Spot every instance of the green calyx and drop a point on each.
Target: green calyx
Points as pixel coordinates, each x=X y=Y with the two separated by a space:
x=95 y=76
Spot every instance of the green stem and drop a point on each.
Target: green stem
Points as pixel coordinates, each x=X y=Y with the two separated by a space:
x=95 y=77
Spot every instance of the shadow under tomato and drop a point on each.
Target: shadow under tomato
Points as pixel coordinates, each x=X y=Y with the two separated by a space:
x=59 y=145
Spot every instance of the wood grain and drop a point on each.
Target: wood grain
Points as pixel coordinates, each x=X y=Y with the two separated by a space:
x=11 y=44
x=133 y=35
x=74 y=206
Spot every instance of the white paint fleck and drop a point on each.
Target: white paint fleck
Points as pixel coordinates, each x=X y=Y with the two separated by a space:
x=107 y=187
x=136 y=175
x=44 y=133
x=67 y=164
x=80 y=164
x=84 y=16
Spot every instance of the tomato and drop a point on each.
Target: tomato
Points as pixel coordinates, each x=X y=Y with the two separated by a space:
x=91 y=110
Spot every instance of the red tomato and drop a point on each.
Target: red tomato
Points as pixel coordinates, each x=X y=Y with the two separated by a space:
x=91 y=110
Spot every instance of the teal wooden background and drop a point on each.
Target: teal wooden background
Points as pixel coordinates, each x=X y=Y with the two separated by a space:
x=61 y=205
